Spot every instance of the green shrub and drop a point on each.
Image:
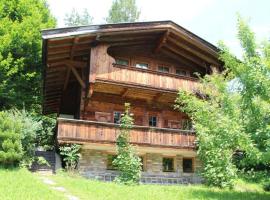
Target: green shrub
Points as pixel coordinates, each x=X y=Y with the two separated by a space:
x=266 y=185
x=127 y=162
x=11 y=150
x=18 y=131
x=71 y=155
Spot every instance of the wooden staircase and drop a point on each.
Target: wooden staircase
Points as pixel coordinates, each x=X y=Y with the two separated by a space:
x=49 y=156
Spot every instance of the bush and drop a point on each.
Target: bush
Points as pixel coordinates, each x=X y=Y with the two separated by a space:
x=71 y=155
x=11 y=150
x=127 y=162
x=17 y=137
x=266 y=186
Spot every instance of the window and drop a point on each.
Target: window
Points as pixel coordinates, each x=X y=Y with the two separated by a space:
x=142 y=162
x=168 y=164
x=142 y=65
x=119 y=61
x=116 y=117
x=163 y=69
x=187 y=124
x=110 y=160
x=152 y=121
x=187 y=165
x=181 y=72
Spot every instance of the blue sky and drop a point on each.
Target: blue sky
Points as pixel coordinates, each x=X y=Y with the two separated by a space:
x=212 y=20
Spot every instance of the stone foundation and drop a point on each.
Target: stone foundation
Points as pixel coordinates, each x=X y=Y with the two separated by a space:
x=93 y=164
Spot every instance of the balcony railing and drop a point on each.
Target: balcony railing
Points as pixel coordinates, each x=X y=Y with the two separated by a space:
x=146 y=77
x=70 y=130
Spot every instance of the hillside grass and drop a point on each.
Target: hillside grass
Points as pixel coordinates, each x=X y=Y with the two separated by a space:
x=17 y=184
x=96 y=190
x=20 y=184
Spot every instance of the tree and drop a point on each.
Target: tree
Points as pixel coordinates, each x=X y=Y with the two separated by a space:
x=219 y=134
x=76 y=19
x=252 y=73
x=229 y=122
x=123 y=11
x=20 y=52
x=127 y=162
x=17 y=137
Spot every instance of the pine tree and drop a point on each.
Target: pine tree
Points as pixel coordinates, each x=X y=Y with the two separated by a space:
x=76 y=19
x=123 y=11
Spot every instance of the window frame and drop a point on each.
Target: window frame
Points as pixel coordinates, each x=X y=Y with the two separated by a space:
x=192 y=164
x=142 y=62
x=173 y=164
x=124 y=59
x=163 y=66
x=149 y=120
x=119 y=116
x=186 y=73
x=111 y=167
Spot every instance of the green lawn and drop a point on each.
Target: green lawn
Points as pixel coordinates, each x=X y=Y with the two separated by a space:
x=21 y=184
x=94 y=190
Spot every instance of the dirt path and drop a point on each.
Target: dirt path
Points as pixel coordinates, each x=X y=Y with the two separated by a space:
x=53 y=185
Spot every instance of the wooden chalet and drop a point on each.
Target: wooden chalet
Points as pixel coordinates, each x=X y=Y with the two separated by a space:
x=91 y=71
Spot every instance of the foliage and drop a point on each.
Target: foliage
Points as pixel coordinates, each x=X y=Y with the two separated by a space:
x=123 y=11
x=22 y=136
x=19 y=183
x=71 y=155
x=45 y=136
x=231 y=121
x=266 y=185
x=11 y=150
x=75 y=19
x=127 y=162
x=252 y=75
x=20 y=52
x=219 y=133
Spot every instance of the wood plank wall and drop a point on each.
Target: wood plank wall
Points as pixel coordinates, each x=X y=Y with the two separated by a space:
x=72 y=130
x=101 y=67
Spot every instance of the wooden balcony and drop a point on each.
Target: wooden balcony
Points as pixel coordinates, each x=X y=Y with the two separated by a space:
x=81 y=131
x=145 y=77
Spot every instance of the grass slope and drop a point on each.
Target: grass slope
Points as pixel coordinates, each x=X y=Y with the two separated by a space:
x=95 y=190
x=18 y=184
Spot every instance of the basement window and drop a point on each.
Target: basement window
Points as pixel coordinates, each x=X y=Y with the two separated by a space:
x=142 y=163
x=181 y=72
x=116 y=117
x=168 y=164
x=164 y=69
x=120 y=61
x=153 y=121
x=187 y=165
x=110 y=160
x=142 y=65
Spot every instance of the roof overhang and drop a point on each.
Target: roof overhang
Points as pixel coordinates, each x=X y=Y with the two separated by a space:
x=61 y=45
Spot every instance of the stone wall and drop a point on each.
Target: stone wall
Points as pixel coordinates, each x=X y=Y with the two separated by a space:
x=93 y=164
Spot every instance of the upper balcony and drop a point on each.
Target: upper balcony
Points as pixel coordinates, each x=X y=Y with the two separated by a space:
x=82 y=131
x=105 y=68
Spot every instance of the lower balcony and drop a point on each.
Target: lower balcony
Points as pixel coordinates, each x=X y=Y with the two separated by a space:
x=82 y=131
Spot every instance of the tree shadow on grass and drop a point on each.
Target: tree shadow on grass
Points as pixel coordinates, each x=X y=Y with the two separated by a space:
x=228 y=195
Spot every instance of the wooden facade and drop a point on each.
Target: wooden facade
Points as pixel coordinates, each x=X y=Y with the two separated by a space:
x=90 y=72
x=83 y=131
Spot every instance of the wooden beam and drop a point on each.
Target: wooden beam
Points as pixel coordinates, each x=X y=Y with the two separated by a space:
x=76 y=74
x=124 y=93
x=75 y=41
x=185 y=54
x=67 y=78
x=181 y=59
x=162 y=41
x=195 y=51
x=77 y=64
